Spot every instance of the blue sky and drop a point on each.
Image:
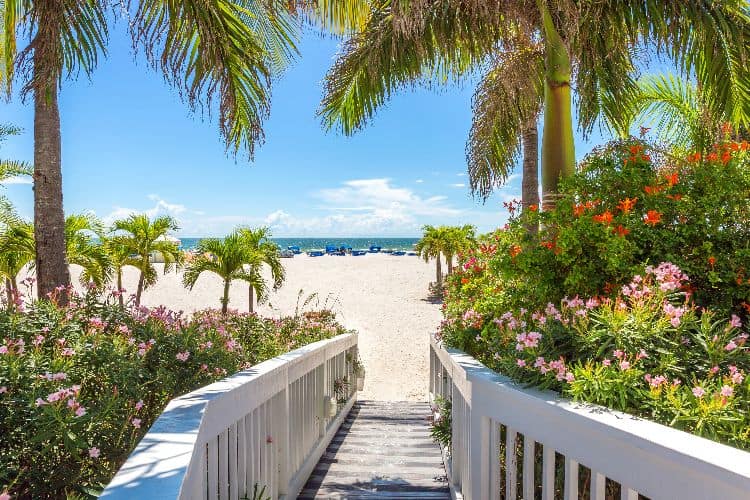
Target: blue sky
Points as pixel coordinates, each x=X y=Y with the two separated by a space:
x=130 y=145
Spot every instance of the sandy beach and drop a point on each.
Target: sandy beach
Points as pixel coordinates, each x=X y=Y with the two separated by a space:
x=381 y=296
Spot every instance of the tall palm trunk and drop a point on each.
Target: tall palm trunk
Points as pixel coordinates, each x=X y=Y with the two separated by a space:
x=139 y=290
x=49 y=220
x=225 y=298
x=558 y=147
x=120 y=298
x=250 y=297
x=438 y=272
x=9 y=294
x=530 y=181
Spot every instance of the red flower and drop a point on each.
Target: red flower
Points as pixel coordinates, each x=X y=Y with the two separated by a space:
x=605 y=218
x=652 y=189
x=627 y=204
x=534 y=207
x=621 y=231
x=672 y=179
x=464 y=281
x=711 y=261
x=514 y=250
x=652 y=218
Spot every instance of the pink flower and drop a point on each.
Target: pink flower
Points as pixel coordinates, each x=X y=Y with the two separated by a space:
x=3 y=390
x=618 y=353
x=569 y=377
x=5 y=496
x=136 y=423
x=606 y=362
x=727 y=391
x=183 y=356
x=735 y=321
x=94 y=452
x=714 y=370
x=731 y=346
x=139 y=405
x=80 y=411
x=39 y=402
x=3 y=349
x=698 y=392
x=737 y=378
x=641 y=354
x=520 y=363
x=624 y=365
x=38 y=340
x=68 y=352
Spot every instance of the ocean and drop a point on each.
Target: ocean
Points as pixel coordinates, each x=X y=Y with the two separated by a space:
x=320 y=243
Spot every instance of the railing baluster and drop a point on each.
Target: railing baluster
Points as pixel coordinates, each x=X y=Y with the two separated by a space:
x=528 y=467
x=511 y=465
x=548 y=473
x=571 y=479
x=598 y=486
x=223 y=466
x=213 y=468
x=495 y=493
x=627 y=494
x=232 y=445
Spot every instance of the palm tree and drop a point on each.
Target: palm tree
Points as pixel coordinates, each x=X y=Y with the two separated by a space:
x=458 y=239
x=16 y=252
x=261 y=251
x=224 y=257
x=432 y=246
x=405 y=42
x=119 y=257
x=141 y=237
x=680 y=111
x=222 y=54
x=83 y=251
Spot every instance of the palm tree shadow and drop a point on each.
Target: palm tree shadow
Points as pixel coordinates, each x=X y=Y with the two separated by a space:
x=434 y=296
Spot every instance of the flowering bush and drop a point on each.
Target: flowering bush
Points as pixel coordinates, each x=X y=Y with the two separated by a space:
x=80 y=385
x=631 y=295
x=648 y=351
x=621 y=211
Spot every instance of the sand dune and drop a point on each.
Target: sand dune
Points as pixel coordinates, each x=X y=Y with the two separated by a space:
x=383 y=297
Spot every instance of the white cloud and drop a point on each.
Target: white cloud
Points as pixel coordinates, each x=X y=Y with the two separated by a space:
x=161 y=207
x=419 y=181
x=458 y=185
x=17 y=180
x=461 y=174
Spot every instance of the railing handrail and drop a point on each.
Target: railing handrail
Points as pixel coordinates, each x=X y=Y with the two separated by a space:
x=642 y=454
x=161 y=461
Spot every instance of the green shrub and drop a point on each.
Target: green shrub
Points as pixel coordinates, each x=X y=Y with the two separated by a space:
x=80 y=385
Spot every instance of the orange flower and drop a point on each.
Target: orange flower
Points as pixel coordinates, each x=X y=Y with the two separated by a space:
x=547 y=244
x=675 y=197
x=605 y=218
x=534 y=208
x=712 y=157
x=726 y=128
x=652 y=218
x=464 y=281
x=514 y=250
x=694 y=158
x=634 y=150
x=725 y=157
x=578 y=210
x=672 y=178
x=621 y=231
x=711 y=261
x=627 y=204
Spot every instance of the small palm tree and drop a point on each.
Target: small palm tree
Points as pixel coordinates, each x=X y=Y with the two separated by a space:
x=142 y=237
x=226 y=258
x=431 y=246
x=83 y=251
x=262 y=251
x=119 y=257
x=16 y=252
x=458 y=240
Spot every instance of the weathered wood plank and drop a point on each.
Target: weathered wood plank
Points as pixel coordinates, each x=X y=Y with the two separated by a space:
x=383 y=450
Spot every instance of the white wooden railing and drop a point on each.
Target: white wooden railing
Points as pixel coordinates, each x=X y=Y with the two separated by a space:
x=605 y=446
x=265 y=426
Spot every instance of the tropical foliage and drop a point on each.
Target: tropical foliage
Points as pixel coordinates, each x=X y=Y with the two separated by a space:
x=143 y=239
x=261 y=252
x=444 y=241
x=535 y=47
x=80 y=385
x=633 y=294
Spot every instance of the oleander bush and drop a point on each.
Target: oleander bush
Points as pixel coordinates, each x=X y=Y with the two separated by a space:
x=80 y=385
x=632 y=294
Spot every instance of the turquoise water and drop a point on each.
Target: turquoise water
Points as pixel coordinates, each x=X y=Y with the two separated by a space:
x=310 y=243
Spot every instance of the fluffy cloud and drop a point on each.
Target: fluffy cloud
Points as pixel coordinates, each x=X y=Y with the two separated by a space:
x=17 y=180
x=161 y=207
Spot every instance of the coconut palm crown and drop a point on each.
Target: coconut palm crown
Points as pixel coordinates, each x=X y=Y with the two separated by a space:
x=261 y=252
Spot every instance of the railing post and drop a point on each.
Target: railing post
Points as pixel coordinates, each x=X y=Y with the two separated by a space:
x=478 y=456
x=283 y=445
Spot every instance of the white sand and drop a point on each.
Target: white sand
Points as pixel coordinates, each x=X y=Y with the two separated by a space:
x=381 y=296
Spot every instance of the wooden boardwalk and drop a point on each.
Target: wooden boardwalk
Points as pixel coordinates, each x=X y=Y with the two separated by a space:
x=382 y=450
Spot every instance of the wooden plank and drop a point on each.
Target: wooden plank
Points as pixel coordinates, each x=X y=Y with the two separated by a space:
x=548 y=473
x=213 y=468
x=528 y=467
x=511 y=465
x=598 y=486
x=571 y=479
x=628 y=494
x=223 y=466
x=232 y=462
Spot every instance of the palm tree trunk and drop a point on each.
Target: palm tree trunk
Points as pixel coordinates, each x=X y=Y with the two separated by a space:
x=530 y=181
x=49 y=220
x=120 y=298
x=449 y=262
x=558 y=147
x=9 y=294
x=139 y=291
x=439 y=272
x=225 y=298
x=250 y=297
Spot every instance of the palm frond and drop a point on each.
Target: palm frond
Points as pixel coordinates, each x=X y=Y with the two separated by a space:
x=340 y=17
x=509 y=97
